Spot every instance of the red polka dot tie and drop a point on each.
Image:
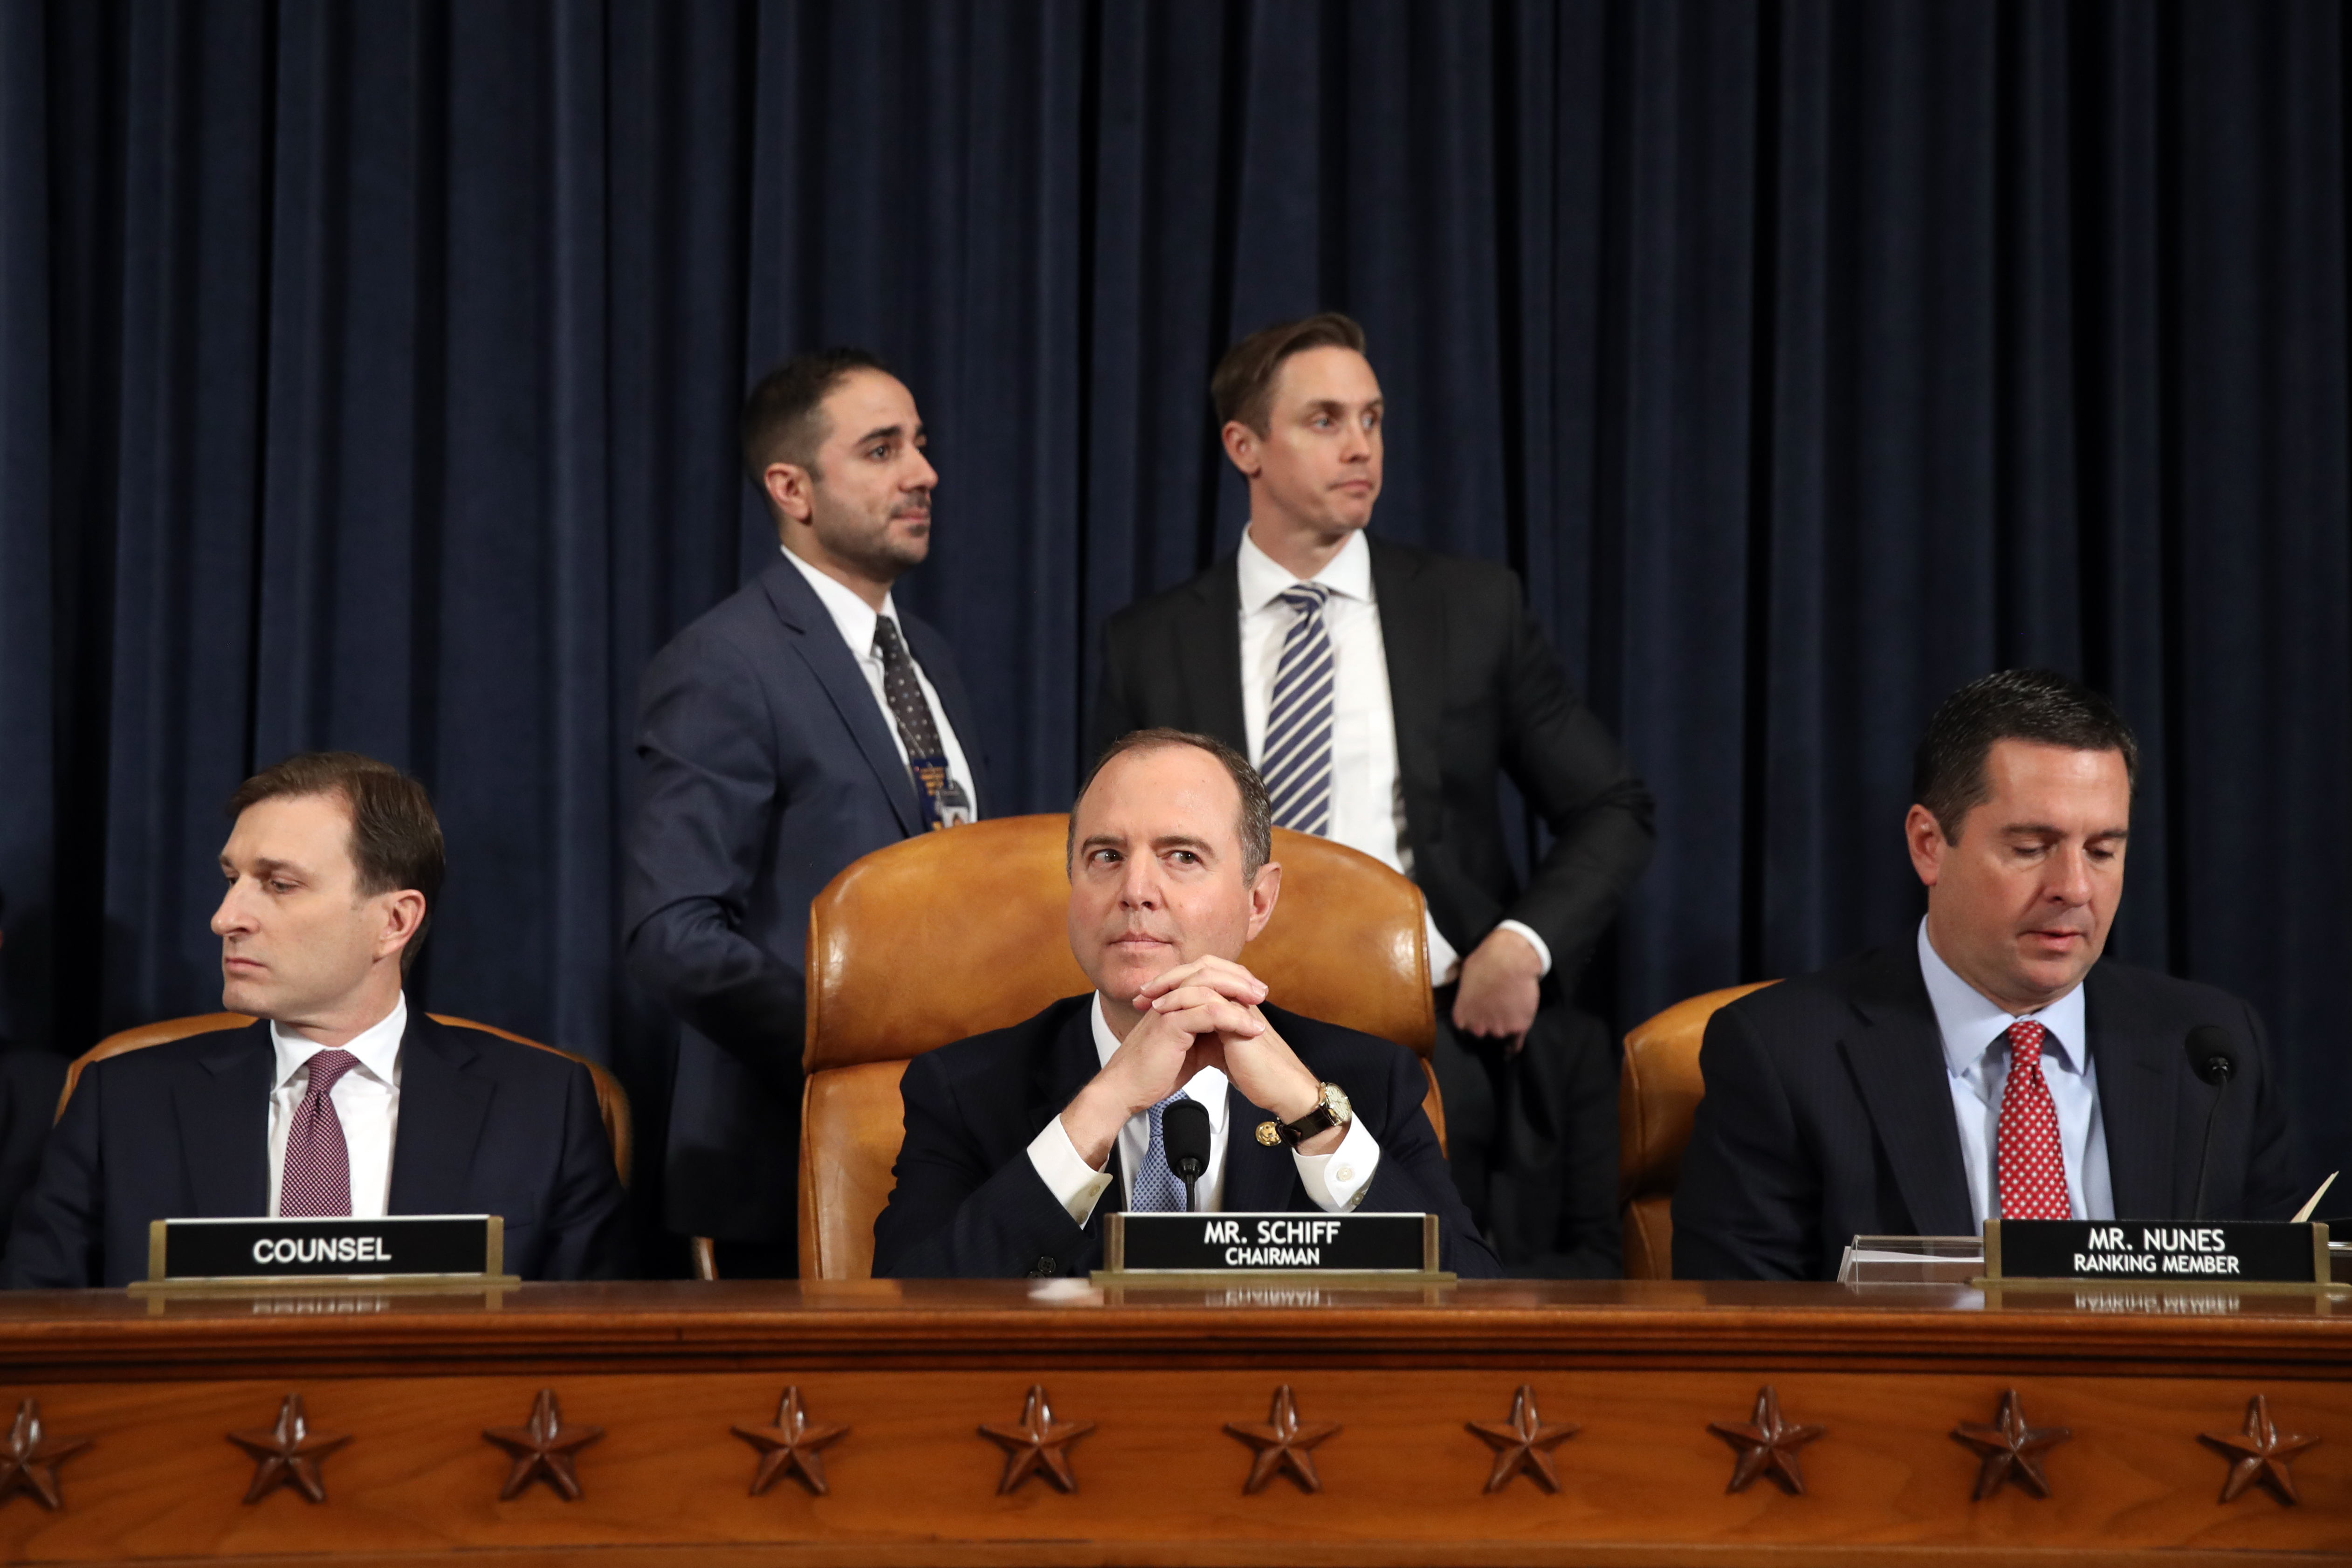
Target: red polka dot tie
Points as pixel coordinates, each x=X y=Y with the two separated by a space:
x=2033 y=1167
x=317 y=1180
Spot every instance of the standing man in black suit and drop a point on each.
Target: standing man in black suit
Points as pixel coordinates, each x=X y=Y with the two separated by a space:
x=1382 y=691
x=30 y=1079
x=795 y=727
x=340 y=1100
x=1018 y=1141
x=1992 y=1068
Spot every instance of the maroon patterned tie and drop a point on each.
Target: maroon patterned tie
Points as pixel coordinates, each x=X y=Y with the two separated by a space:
x=317 y=1180
x=2033 y=1168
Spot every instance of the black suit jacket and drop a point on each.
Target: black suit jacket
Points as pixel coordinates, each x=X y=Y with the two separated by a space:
x=181 y=1130
x=768 y=767
x=1475 y=690
x=1828 y=1115
x=969 y=1204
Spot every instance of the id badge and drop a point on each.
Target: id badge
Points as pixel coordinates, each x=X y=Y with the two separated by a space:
x=944 y=801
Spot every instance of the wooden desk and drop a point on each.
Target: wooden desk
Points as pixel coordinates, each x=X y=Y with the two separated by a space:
x=913 y=1372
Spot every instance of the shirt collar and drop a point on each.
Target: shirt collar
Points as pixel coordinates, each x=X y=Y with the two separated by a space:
x=1208 y=1085
x=1262 y=579
x=853 y=615
x=377 y=1046
x=1970 y=1022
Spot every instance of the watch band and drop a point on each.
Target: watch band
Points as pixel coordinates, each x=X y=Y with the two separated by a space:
x=1322 y=1117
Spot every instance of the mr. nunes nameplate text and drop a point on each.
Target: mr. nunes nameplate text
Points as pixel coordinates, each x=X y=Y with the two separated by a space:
x=2163 y=1252
x=399 y=1245
x=1216 y=1243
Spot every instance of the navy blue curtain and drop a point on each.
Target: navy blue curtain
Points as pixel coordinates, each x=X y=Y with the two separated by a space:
x=367 y=375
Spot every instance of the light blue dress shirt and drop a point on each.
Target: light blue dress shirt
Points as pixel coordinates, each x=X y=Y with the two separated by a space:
x=1976 y=1060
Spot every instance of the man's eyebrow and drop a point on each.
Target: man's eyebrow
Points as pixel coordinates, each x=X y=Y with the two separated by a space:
x=885 y=432
x=1181 y=841
x=2046 y=830
x=1102 y=841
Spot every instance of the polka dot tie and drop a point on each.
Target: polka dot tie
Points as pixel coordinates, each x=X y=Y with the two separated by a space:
x=317 y=1180
x=2032 y=1166
x=918 y=729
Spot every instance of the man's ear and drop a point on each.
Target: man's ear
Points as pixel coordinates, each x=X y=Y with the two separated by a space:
x=1241 y=446
x=1264 y=888
x=791 y=491
x=403 y=912
x=1924 y=836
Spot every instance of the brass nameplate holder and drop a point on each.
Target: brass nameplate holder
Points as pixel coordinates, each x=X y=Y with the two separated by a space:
x=1183 y=1251
x=402 y=1253
x=2241 y=1256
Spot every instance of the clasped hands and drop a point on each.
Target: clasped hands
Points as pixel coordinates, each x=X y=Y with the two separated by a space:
x=1203 y=1013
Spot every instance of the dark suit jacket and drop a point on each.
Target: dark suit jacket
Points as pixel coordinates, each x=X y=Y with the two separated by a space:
x=181 y=1130
x=30 y=1081
x=1828 y=1115
x=1475 y=690
x=969 y=1204
x=768 y=767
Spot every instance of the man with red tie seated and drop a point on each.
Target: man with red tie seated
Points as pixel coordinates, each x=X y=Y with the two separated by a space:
x=1992 y=1066
x=341 y=1099
x=1018 y=1141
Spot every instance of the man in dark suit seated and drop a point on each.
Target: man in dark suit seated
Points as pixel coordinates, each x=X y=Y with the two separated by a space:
x=340 y=1100
x=1992 y=1068
x=1016 y=1140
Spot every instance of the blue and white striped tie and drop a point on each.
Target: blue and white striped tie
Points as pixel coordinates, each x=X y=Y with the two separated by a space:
x=1156 y=1189
x=1296 y=760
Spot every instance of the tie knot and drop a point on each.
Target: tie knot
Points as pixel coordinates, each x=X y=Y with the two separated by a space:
x=2025 y=1041
x=327 y=1068
x=1161 y=1110
x=1306 y=598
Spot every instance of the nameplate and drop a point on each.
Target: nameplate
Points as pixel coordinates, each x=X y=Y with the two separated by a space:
x=2156 y=1252
x=268 y=1251
x=1403 y=1245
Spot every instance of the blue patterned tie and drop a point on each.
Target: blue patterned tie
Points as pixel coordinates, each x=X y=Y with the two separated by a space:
x=1156 y=1189
x=1296 y=760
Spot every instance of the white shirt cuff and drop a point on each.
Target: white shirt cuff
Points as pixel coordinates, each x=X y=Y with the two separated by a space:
x=1338 y=1180
x=1543 y=949
x=1076 y=1186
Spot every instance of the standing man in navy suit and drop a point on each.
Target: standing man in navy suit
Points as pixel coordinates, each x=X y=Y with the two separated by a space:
x=343 y=1099
x=798 y=725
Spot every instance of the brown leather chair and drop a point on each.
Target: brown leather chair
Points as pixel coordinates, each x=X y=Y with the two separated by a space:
x=951 y=934
x=1657 y=1094
x=612 y=1099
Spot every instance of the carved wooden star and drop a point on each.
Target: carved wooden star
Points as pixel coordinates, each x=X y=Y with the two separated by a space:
x=2010 y=1446
x=1767 y=1444
x=288 y=1453
x=543 y=1448
x=795 y=1445
x=1283 y=1443
x=1039 y=1446
x=30 y=1461
x=1522 y=1443
x=2261 y=1451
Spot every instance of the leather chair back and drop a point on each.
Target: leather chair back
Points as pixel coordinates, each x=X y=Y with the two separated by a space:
x=1657 y=1094
x=612 y=1099
x=946 y=935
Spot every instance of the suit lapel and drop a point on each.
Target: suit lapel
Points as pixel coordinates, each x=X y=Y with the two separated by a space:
x=818 y=643
x=224 y=1115
x=1412 y=637
x=2138 y=1093
x=1209 y=658
x=442 y=1108
x=1898 y=1060
x=1258 y=1179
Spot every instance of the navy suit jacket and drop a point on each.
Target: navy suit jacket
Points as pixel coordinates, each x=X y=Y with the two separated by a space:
x=181 y=1130
x=1828 y=1115
x=768 y=768
x=970 y=1205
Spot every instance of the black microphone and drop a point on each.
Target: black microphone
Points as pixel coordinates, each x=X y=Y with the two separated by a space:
x=2213 y=1058
x=1185 y=1128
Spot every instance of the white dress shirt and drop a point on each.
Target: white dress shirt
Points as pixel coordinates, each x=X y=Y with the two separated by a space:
x=1337 y=1181
x=1975 y=1060
x=855 y=618
x=366 y=1101
x=1367 y=788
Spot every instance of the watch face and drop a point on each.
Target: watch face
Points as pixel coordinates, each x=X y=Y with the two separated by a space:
x=1335 y=1099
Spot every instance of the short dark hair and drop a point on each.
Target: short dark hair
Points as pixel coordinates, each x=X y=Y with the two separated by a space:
x=395 y=838
x=1948 y=772
x=784 y=417
x=1256 y=824
x=1242 y=386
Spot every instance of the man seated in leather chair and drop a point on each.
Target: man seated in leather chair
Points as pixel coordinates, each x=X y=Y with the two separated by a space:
x=1018 y=1140
x=341 y=1099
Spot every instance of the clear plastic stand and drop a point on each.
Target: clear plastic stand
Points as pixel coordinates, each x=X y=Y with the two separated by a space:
x=1912 y=1260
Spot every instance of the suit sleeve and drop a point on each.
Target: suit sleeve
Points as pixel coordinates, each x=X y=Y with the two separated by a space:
x=951 y=1216
x=710 y=793
x=1745 y=1201
x=58 y=1239
x=2274 y=1174
x=1414 y=1178
x=584 y=1213
x=1571 y=771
